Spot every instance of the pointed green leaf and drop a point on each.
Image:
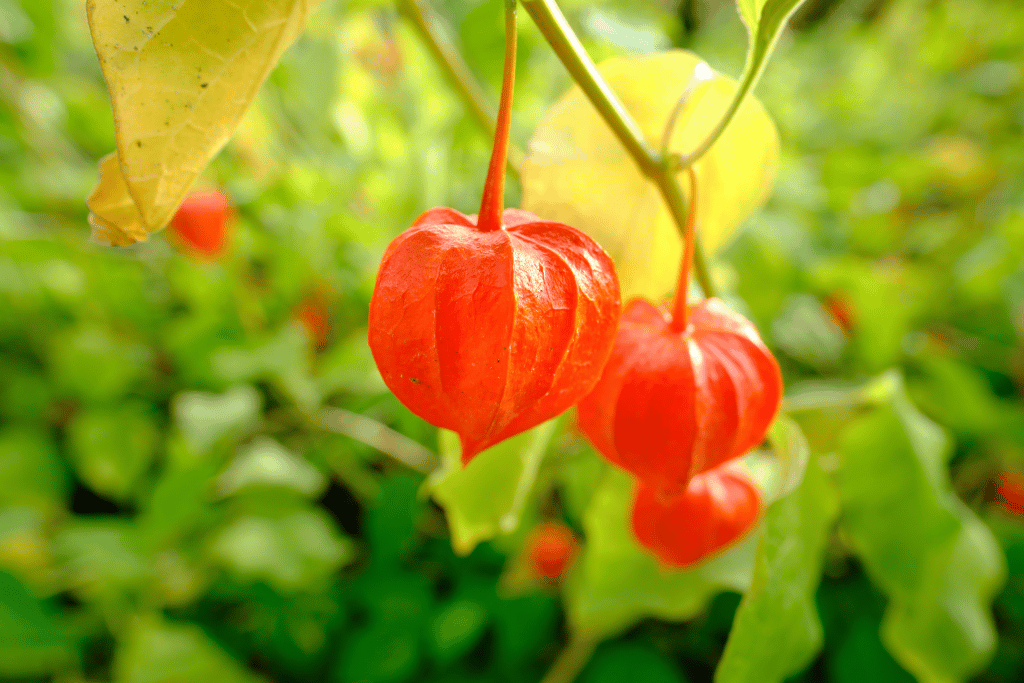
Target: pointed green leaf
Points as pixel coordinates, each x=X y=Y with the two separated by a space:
x=776 y=630
x=616 y=582
x=938 y=563
x=488 y=497
x=765 y=20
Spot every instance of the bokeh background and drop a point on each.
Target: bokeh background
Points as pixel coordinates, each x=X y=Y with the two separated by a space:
x=173 y=509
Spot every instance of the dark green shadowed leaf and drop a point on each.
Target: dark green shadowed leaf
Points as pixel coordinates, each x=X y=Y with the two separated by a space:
x=776 y=630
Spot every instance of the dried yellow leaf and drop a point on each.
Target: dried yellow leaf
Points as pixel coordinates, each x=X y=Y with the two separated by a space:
x=181 y=75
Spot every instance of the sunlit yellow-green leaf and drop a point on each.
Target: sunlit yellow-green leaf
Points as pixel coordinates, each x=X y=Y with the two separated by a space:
x=578 y=173
x=180 y=75
x=488 y=496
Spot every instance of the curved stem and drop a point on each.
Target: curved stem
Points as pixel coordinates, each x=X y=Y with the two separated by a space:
x=493 y=201
x=434 y=36
x=571 y=660
x=745 y=87
x=679 y=308
x=660 y=170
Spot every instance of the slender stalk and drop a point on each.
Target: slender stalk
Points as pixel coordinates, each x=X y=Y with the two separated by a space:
x=680 y=311
x=379 y=436
x=493 y=202
x=660 y=170
x=750 y=78
x=434 y=36
x=571 y=660
x=702 y=73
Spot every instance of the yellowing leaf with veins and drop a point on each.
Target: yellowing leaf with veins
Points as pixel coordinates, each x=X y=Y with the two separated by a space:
x=578 y=173
x=181 y=74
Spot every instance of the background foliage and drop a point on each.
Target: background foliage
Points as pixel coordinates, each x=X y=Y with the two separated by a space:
x=175 y=504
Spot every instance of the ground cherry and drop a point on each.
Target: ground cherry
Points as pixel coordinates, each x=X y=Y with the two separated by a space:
x=1010 y=491
x=714 y=511
x=317 y=320
x=489 y=325
x=840 y=309
x=550 y=550
x=201 y=223
x=672 y=402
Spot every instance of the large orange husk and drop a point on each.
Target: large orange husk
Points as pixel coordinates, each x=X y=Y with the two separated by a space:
x=672 y=404
x=489 y=333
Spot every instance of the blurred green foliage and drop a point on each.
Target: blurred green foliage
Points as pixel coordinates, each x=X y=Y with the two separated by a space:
x=173 y=509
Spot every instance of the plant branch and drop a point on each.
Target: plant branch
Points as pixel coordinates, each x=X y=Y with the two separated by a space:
x=746 y=85
x=660 y=170
x=433 y=34
x=571 y=660
x=560 y=36
x=379 y=436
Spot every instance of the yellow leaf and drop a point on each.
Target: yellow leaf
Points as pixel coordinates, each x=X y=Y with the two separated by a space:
x=578 y=173
x=181 y=75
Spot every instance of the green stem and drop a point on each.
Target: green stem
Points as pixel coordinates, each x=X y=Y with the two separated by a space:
x=662 y=171
x=556 y=30
x=571 y=660
x=434 y=36
x=750 y=78
x=702 y=73
x=493 y=202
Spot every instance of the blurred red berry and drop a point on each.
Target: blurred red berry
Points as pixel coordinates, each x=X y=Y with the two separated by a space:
x=840 y=309
x=550 y=550
x=201 y=223
x=1010 y=491
x=315 y=316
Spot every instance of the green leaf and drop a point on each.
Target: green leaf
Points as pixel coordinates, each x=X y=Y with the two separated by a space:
x=630 y=662
x=93 y=365
x=765 y=20
x=487 y=497
x=391 y=522
x=32 y=642
x=112 y=448
x=938 y=563
x=203 y=418
x=181 y=75
x=284 y=358
x=289 y=549
x=265 y=463
x=156 y=651
x=383 y=654
x=615 y=582
x=102 y=557
x=776 y=630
